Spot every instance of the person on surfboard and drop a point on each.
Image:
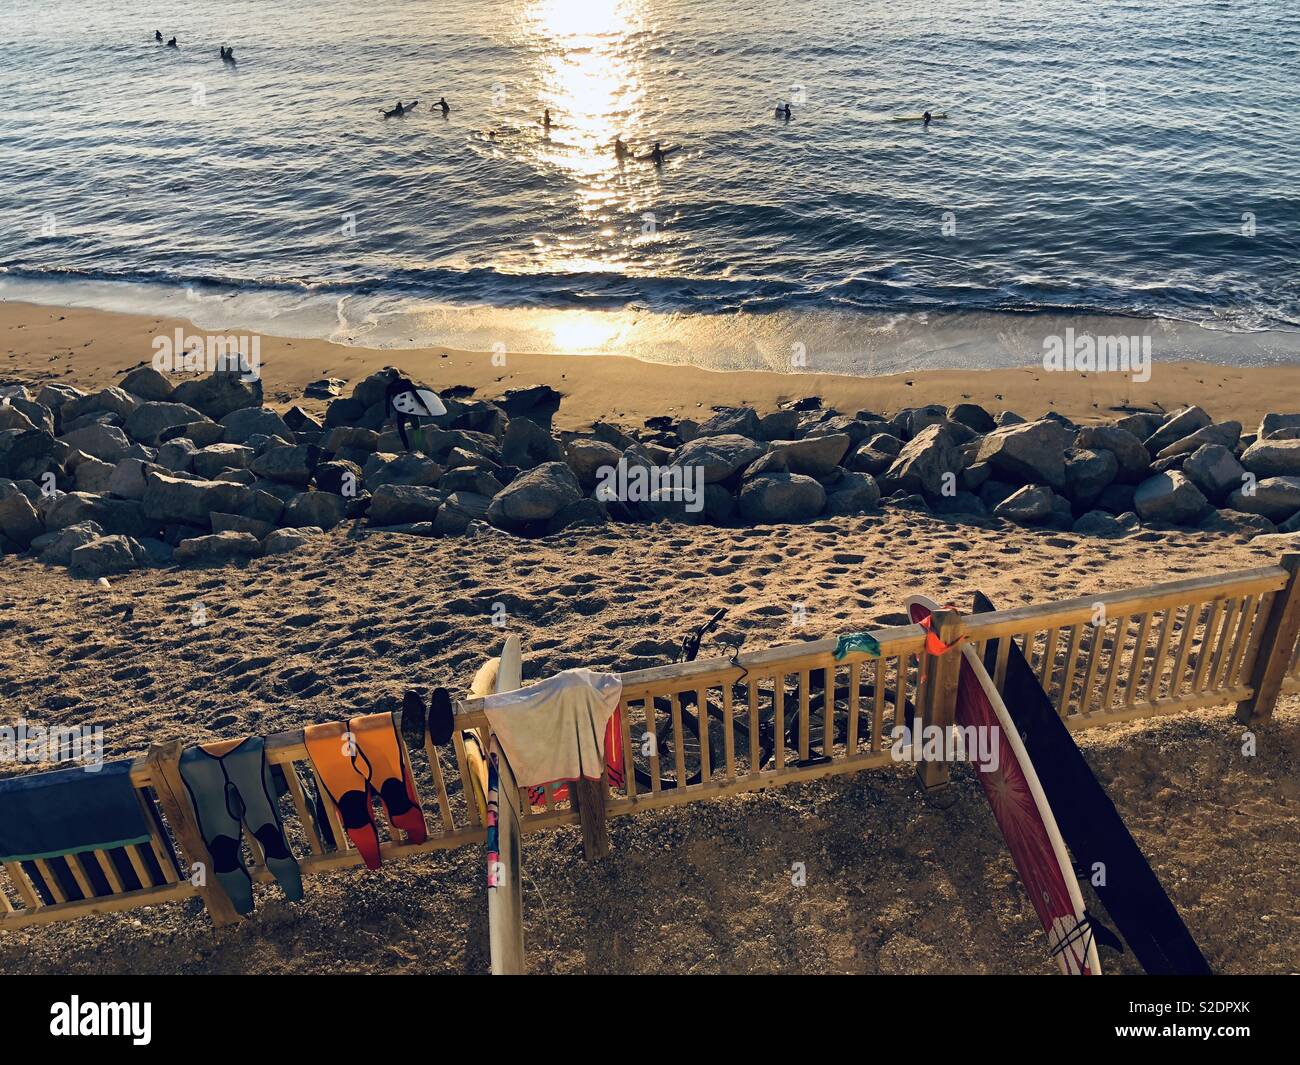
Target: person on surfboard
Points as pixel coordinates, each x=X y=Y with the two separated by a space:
x=657 y=155
x=399 y=111
x=925 y=119
x=172 y=43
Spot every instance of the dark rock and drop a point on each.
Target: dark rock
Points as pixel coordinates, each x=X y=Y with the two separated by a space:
x=1087 y=473
x=718 y=456
x=929 y=462
x=1030 y=504
x=815 y=456
x=731 y=421
x=1214 y=469
x=19 y=520
x=149 y=421
x=56 y=547
x=537 y=403
x=781 y=497
x=105 y=556
x=288 y=464
x=282 y=541
x=104 y=442
x=535 y=495
x=1031 y=453
x=213 y=459
x=528 y=444
x=321 y=509
x=1273 y=458
x=173 y=499
x=587 y=457
x=780 y=425
x=1225 y=433
x=216 y=396
x=1169 y=497
x=973 y=416
x=301 y=421
x=148 y=384
x=853 y=493
x=1176 y=426
x=399 y=504
x=341 y=478
x=240 y=426
x=238 y=523
x=1277 y=498
x=218 y=548
x=1132 y=455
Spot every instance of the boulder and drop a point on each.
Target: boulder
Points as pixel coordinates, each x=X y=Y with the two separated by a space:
x=93 y=476
x=1225 y=433
x=350 y=438
x=19 y=520
x=213 y=459
x=1087 y=473
x=400 y=504
x=718 y=456
x=56 y=547
x=1271 y=423
x=1214 y=469
x=1132 y=455
x=282 y=541
x=1032 y=453
x=535 y=495
x=1273 y=458
x=239 y=426
x=301 y=421
x=127 y=480
x=927 y=463
x=868 y=460
x=527 y=444
x=469 y=479
x=238 y=523
x=148 y=384
x=12 y=418
x=69 y=508
x=1277 y=498
x=1238 y=522
x=537 y=404
x=104 y=442
x=781 y=497
x=105 y=556
x=340 y=477
x=586 y=457
x=459 y=510
x=780 y=425
x=1030 y=504
x=287 y=463
x=149 y=421
x=853 y=493
x=973 y=416
x=177 y=455
x=1169 y=497
x=411 y=468
x=815 y=456
x=321 y=509
x=217 y=549
x=216 y=396
x=179 y=501
x=1099 y=523
x=106 y=401
x=41 y=416
x=1176 y=426
x=731 y=421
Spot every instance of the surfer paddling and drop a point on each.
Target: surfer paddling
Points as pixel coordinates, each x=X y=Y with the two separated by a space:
x=400 y=110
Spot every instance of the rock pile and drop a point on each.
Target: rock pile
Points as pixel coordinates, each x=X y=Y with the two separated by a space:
x=149 y=473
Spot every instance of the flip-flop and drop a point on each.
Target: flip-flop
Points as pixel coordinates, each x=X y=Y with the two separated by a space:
x=441 y=716
x=413 y=719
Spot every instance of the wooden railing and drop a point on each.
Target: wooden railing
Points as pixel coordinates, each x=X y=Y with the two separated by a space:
x=722 y=726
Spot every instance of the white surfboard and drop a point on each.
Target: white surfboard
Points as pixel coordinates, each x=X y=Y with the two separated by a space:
x=506 y=900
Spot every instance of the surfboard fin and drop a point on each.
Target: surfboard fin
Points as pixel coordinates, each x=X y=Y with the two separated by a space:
x=1104 y=936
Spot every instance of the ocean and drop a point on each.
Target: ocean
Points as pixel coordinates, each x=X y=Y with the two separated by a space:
x=1128 y=160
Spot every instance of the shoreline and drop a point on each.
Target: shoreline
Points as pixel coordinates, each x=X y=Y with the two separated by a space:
x=93 y=348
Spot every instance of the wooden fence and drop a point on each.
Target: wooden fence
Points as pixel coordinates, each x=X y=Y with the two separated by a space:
x=722 y=726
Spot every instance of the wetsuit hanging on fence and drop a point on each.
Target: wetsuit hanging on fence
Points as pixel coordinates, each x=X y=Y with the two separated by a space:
x=356 y=761
x=230 y=783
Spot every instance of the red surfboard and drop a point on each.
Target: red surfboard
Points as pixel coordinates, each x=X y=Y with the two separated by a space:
x=1022 y=813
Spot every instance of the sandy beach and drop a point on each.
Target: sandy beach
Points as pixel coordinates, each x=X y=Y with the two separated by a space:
x=897 y=883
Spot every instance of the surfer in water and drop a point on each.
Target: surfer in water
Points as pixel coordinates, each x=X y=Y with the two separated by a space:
x=157 y=35
x=400 y=110
x=925 y=120
x=442 y=106
x=228 y=56
x=172 y=43
x=783 y=112
x=546 y=119
x=657 y=155
x=620 y=149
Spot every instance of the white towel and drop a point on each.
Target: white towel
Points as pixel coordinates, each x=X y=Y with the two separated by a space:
x=555 y=730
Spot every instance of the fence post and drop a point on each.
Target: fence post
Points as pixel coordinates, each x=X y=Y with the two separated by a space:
x=939 y=702
x=163 y=760
x=1276 y=645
